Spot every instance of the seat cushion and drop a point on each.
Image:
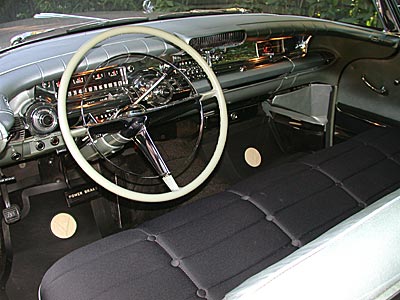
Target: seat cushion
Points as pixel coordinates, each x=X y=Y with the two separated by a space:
x=357 y=259
x=198 y=251
x=205 y=249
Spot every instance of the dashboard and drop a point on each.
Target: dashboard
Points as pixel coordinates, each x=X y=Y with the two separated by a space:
x=103 y=91
x=123 y=85
x=252 y=55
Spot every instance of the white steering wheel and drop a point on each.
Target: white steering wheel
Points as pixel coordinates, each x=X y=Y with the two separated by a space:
x=215 y=92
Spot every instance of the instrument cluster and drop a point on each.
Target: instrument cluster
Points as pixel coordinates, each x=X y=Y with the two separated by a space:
x=138 y=82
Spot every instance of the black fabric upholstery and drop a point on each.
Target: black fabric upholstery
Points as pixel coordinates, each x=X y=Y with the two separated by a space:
x=205 y=249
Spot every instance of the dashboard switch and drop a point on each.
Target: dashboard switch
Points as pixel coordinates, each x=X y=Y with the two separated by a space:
x=234 y=116
x=40 y=146
x=16 y=156
x=54 y=141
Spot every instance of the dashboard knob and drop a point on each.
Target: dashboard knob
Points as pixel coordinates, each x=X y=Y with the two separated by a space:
x=46 y=120
x=42 y=118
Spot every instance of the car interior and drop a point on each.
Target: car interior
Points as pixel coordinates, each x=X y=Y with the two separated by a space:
x=184 y=156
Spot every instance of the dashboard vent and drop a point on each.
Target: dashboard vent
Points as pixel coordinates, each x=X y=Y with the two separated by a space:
x=226 y=39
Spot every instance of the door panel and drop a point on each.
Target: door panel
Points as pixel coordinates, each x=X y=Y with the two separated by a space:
x=370 y=88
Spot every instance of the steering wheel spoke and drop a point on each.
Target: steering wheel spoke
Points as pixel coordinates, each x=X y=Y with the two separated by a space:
x=208 y=95
x=169 y=180
x=146 y=145
x=79 y=132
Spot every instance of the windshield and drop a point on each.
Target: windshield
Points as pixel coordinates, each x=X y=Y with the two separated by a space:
x=23 y=20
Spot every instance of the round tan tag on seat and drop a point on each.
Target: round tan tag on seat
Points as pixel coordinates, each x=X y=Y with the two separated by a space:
x=63 y=226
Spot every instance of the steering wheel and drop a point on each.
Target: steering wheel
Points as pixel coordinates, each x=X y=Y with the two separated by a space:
x=137 y=129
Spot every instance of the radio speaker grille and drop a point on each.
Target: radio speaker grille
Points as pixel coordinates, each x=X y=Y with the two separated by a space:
x=226 y=39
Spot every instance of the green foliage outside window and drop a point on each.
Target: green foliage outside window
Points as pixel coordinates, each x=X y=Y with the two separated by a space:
x=85 y=5
x=360 y=12
x=171 y=6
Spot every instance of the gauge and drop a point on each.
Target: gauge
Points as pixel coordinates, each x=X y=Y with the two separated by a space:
x=78 y=80
x=265 y=49
x=113 y=73
x=98 y=76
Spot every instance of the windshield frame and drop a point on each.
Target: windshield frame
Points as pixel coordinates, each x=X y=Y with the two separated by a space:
x=389 y=13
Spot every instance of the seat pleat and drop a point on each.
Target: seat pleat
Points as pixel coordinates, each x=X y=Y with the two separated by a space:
x=233 y=256
x=195 y=237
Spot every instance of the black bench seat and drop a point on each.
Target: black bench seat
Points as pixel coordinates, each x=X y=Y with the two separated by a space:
x=205 y=249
